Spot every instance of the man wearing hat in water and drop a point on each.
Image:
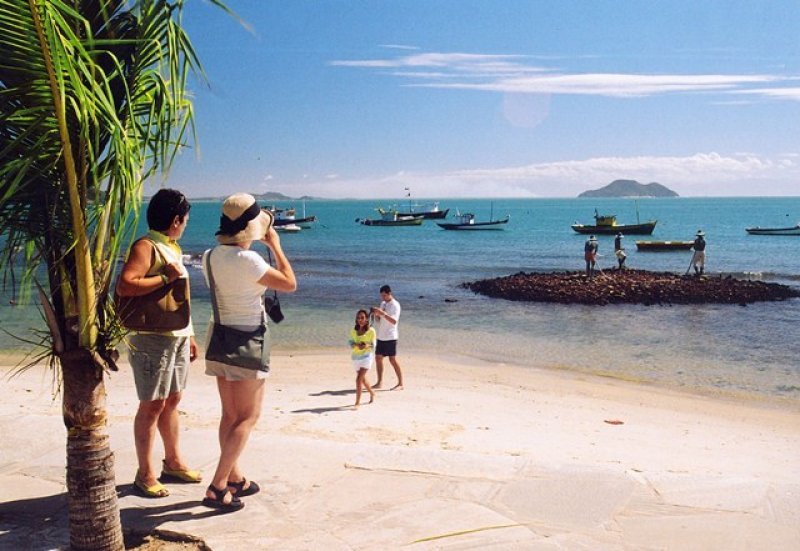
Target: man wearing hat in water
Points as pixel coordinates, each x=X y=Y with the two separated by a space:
x=699 y=256
x=590 y=255
x=619 y=250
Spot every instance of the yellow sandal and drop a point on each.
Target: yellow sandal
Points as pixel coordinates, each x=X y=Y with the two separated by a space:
x=186 y=476
x=154 y=491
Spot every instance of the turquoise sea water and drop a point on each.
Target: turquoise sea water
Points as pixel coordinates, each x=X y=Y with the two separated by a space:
x=708 y=348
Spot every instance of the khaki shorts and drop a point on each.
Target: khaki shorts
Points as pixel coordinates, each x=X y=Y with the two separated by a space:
x=160 y=365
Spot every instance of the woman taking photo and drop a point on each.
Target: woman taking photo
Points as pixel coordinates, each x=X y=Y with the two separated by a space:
x=240 y=277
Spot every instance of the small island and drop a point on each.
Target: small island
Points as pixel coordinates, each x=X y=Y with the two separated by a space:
x=630 y=188
x=629 y=287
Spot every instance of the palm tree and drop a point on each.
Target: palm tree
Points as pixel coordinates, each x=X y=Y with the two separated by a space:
x=93 y=102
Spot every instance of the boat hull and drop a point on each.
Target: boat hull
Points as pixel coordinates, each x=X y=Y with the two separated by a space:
x=412 y=222
x=661 y=246
x=794 y=230
x=645 y=228
x=287 y=221
x=427 y=215
x=492 y=225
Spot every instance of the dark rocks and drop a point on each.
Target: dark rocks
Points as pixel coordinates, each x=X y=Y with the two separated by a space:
x=629 y=287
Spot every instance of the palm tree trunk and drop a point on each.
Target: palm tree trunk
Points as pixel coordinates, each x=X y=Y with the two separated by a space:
x=93 y=507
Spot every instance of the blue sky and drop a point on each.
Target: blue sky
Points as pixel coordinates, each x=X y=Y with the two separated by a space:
x=495 y=98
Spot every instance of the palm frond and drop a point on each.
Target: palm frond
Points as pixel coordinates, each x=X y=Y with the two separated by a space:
x=93 y=102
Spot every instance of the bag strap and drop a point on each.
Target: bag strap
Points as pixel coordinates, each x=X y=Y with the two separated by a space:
x=212 y=286
x=269 y=261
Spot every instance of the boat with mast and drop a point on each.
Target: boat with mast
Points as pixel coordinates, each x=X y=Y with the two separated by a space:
x=429 y=211
x=391 y=218
x=288 y=217
x=607 y=224
x=466 y=221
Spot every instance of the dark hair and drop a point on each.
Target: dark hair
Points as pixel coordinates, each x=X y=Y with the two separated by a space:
x=386 y=289
x=164 y=206
x=366 y=314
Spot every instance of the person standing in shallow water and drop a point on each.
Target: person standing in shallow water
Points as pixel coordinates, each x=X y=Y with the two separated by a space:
x=362 y=346
x=590 y=255
x=619 y=251
x=387 y=316
x=699 y=256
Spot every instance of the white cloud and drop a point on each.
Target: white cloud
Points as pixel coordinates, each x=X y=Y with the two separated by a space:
x=700 y=174
x=399 y=47
x=513 y=74
x=608 y=84
x=778 y=93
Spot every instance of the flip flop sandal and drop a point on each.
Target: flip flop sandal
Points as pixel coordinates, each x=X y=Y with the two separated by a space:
x=181 y=476
x=241 y=491
x=155 y=491
x=218 y=501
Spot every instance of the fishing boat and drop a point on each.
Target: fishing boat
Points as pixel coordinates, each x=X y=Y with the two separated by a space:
x=467 y=221
x=428 y=211
x=287 y=217
x=391 y=218
x=791 y=230
x=607 y=224
x=659 y=246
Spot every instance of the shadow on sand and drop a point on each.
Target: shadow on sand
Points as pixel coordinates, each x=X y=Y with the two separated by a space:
x=344 y=392
x=42 y=523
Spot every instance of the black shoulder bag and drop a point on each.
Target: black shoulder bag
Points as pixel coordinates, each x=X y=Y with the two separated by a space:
x=230 y=346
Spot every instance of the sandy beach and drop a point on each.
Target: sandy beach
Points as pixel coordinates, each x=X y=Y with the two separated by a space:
x=470 y=455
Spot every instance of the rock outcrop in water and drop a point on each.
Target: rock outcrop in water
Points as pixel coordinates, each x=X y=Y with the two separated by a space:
x=630 y=287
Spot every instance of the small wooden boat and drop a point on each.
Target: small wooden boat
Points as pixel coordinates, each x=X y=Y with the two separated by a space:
x=607 y=224
x=658 y=246
x=391 y=218
x=792 y=230
x=467 y=221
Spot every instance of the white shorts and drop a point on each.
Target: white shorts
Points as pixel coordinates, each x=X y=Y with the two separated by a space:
x=362 y=363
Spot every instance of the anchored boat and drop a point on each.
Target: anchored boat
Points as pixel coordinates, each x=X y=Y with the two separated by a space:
x=657 y=246
x=288 y=217
x=467 y=221
x=607 y=224
x=428 y=211
x=391 y=218
x=791 y=230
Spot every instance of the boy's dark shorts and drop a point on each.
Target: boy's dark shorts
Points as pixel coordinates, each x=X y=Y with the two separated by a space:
x=386 y=348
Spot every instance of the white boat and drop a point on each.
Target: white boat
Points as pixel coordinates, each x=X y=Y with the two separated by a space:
x=288 y=228
x=287 y=217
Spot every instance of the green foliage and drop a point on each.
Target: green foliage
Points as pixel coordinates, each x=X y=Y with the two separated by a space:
x=93 y=102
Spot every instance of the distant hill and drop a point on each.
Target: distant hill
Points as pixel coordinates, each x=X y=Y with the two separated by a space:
x=630 y=188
